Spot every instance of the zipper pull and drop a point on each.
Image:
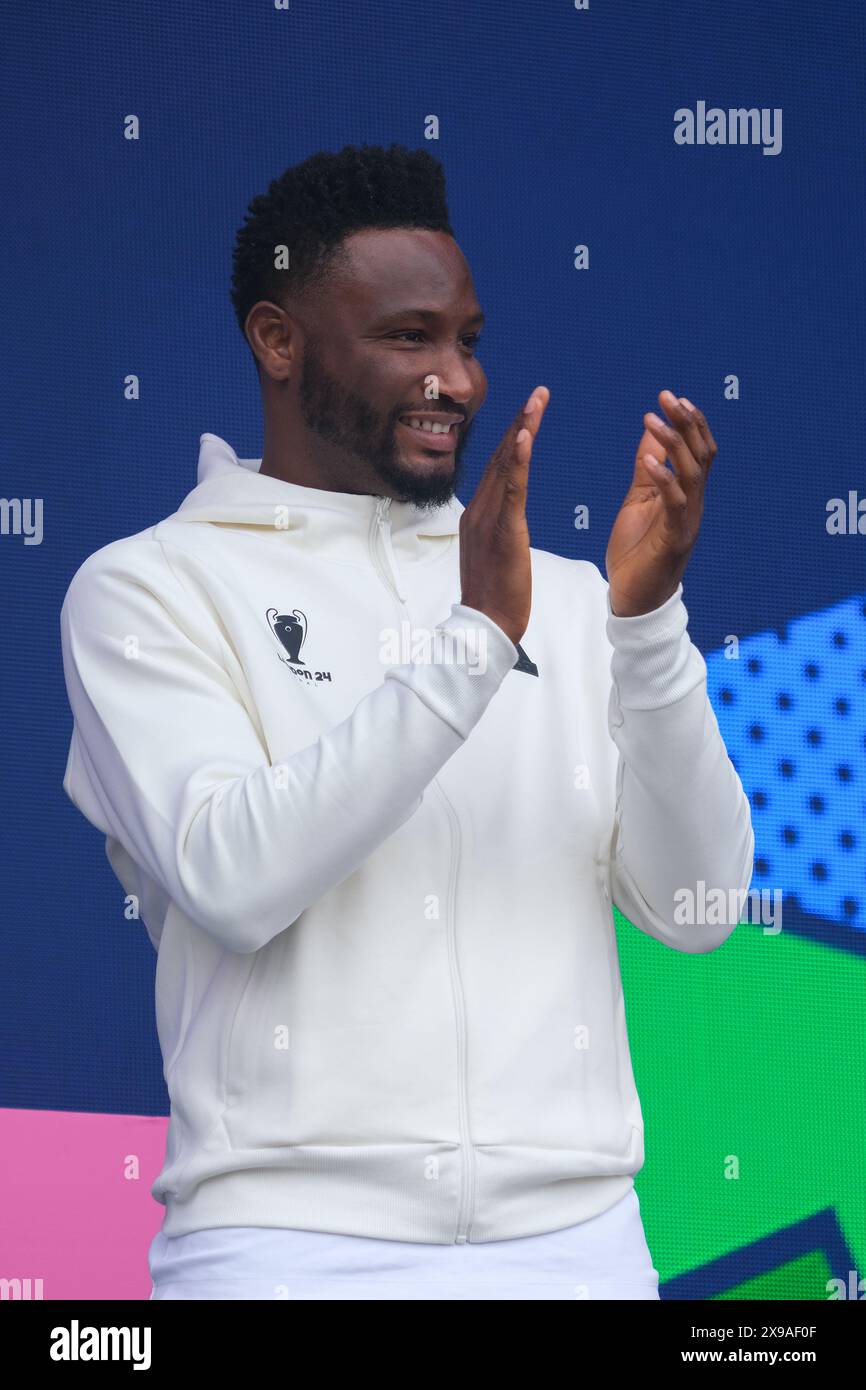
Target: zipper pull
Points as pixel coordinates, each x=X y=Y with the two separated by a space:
x=383 y=517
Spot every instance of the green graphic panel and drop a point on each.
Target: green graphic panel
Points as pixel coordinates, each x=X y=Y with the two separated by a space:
x=750 y=1063
x=791 y=1280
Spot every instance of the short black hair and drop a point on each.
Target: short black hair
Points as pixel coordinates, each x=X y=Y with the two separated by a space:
x=313 y=206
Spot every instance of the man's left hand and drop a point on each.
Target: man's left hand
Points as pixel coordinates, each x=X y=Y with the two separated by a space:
x=658 y=522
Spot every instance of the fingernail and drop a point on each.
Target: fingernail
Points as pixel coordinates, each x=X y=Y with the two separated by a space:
x=688 y=405
x=530 y=405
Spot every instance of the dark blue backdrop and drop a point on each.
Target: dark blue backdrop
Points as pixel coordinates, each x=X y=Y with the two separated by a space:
x=556 y=129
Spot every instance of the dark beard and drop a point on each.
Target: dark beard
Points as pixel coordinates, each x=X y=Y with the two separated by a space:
x=347 y=421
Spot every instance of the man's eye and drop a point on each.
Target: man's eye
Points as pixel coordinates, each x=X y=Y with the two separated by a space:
x=470 y=339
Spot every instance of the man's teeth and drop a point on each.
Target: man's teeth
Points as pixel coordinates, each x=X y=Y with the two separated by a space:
x=428 y=426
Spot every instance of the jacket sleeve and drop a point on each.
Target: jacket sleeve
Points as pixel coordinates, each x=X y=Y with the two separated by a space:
x=681 y=813
x=167 y=760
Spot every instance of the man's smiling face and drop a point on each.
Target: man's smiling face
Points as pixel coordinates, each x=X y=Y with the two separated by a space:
x=401 y=313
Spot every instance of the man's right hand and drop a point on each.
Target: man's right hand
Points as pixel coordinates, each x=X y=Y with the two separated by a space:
x=495 y=571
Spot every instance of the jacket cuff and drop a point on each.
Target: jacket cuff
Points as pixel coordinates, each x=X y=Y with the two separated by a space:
x=471 y=656
x=654 y=662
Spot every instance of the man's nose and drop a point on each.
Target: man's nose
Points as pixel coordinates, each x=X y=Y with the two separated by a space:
x=456 y=382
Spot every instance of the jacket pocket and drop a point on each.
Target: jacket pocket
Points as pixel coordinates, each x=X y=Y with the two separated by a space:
x=236 y=1058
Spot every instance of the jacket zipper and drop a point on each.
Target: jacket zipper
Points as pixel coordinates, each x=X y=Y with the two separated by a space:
x=380 y=527
x=380 y=531
x=467 y=1183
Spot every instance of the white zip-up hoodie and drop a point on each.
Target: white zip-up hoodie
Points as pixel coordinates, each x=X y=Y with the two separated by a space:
x=388 y=993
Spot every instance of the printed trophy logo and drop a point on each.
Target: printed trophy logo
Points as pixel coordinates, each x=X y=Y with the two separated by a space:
x=290 y=630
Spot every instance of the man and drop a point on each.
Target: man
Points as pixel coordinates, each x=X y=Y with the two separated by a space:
x=375 y=771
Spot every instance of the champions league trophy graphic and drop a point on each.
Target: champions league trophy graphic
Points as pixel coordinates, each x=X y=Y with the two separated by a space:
x=291 y=629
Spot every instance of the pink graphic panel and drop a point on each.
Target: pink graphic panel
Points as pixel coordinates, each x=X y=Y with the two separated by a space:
x=75 y=1204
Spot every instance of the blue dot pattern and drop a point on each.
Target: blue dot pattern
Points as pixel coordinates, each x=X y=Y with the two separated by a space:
x=792 y=712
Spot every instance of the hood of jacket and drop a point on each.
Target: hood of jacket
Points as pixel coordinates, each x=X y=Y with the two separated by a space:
x=231 y=489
